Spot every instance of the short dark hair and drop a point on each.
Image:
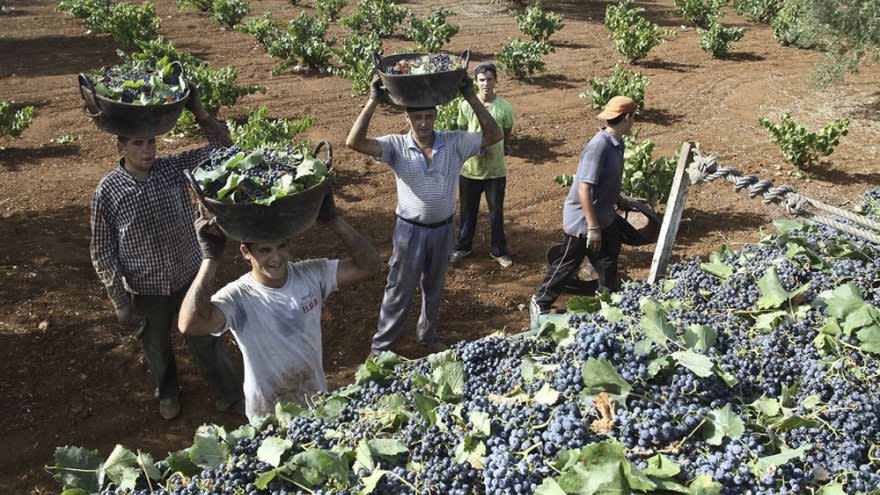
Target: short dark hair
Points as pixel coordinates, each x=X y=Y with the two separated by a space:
x=486 y=67
x=122 y=139
x=618 y=119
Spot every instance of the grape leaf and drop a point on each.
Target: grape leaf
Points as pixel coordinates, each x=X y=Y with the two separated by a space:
x=603 y=468
x=764 y=465
x=318 y=465
x=250 y=161
x=704 y=485
x=272 y=449
x=470 y=451
x=549 y=487
x=77 y=458
x=722 y=423
x=331 y=408
x=700 y=337
x=370 y=371
x=529 y=369
x=285 y=411
x=388 y=448
x=181 y=462
x=207 y=452
x=264 y=479
x=661 y=466
x=231 y=184
x=698 y=363
x=364 y=456
x=205 y=177
x=371 y=481
x=583 y=304
x=869 y=338
x=450 y=374
x=768 y=320
x=770 y=408
x=793 y=422
x=426 y=406
x=74 y=491
x=831 y=489
x=599 y=375
x=121 y=467
x=482 y=423
x=654 y=323
x=145 y=461
x=242 y=432
x=717 y=267
x=846 y=304
x=773 y=294
x=547 y=395
x=612 y=314
x=656 y=365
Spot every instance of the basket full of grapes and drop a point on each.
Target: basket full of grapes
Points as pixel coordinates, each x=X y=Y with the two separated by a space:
x=135 y=99
x=264 y=194
x=420 y=80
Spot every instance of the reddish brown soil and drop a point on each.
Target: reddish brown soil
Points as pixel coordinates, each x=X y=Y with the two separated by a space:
x=81 y=379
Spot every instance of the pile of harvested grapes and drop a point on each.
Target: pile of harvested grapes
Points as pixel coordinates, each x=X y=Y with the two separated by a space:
x=259 y=176
x=755 y=372
x=425 y=64
x=142 y=83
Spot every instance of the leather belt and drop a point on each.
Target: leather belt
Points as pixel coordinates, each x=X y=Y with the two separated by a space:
x=429 y=225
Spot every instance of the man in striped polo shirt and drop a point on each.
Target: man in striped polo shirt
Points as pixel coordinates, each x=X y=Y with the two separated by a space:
x=426 y=165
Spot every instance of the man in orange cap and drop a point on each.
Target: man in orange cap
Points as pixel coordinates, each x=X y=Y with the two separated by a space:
x=590 y=224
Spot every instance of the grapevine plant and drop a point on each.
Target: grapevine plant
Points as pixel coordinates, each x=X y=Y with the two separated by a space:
x=228 y=13
x=303 y=44
x=643 y=175
x=356 y=57
x=523 y=58
x=432 y=32
x=13 y=122
x=261 y=131
x=634 y=35
x=538 y=24
x=753 y=372
x=801 y=147
x=330 y=8
x=126 y=23
x=717 y=38
x=382 y=17
x=699 y=13
x=621 y=83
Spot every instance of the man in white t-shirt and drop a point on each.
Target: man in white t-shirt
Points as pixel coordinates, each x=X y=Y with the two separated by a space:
x=274 y=310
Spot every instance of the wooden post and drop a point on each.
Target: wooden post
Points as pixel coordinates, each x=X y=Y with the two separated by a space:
x=672 y=216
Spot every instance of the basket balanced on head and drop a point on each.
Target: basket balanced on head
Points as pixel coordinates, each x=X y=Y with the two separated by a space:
x=265 y=194
x=422 y=79
x=135 y=99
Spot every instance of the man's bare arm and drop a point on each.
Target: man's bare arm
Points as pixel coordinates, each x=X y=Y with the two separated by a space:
x=488 y=126
x=198 y=315
x=365 y=262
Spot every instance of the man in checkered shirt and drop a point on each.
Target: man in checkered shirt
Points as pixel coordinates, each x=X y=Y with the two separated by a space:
x=145 y=251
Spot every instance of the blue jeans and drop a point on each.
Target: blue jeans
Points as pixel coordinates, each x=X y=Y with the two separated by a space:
x=470 y=191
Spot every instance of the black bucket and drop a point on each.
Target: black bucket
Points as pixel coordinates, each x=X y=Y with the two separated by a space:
x=284 y=218
x=420 y=90
x=126 y=119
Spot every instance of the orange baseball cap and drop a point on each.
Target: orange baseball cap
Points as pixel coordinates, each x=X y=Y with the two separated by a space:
x=617 y=106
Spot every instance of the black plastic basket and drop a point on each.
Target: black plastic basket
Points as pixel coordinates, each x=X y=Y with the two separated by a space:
x=420 y=90
x=284 y=218
x=126 y=119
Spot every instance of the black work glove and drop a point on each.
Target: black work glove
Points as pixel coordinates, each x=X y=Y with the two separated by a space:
x=376 y=88
x=328 y=208
x=466 y=86
x=211 y=242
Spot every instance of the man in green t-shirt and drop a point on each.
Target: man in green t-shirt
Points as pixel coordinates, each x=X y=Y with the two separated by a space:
x=485 y=173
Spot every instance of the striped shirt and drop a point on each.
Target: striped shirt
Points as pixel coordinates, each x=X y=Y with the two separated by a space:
x=143 y=240
x=426 y=193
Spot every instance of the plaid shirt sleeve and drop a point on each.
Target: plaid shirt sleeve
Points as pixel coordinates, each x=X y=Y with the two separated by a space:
x=103 y=250
x=218 y=137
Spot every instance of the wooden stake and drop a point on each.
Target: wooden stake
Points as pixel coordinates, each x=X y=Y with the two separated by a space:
x=672 y=216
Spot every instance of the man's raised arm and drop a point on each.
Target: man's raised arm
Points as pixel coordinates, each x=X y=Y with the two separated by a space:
x=357 y=139
x=198 y=315
x=488 y=126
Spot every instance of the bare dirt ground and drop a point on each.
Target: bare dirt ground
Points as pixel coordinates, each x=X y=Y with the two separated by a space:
x=81 y=380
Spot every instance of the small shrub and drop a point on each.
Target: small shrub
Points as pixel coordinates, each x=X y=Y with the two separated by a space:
x=699 y=13
x=537 y=23
x=757 y=10
x=789 y=29
x=621 y=82
x=523 y=58
x=634 y=35
x=304 y=43
x=259 y=130
x=204 y=6
x=382 y=17
x=264 y=28
x=717 y=39
x=230 y=12
x=356 y=58
x=800 y=146
x=14 y=122
x=645 y=177
x=330 y=8
x=128 y=24
x=432 y=32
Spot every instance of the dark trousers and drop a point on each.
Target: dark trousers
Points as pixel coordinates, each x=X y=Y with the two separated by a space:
x=574 y=250
x=470 y=191
x=154 y=332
